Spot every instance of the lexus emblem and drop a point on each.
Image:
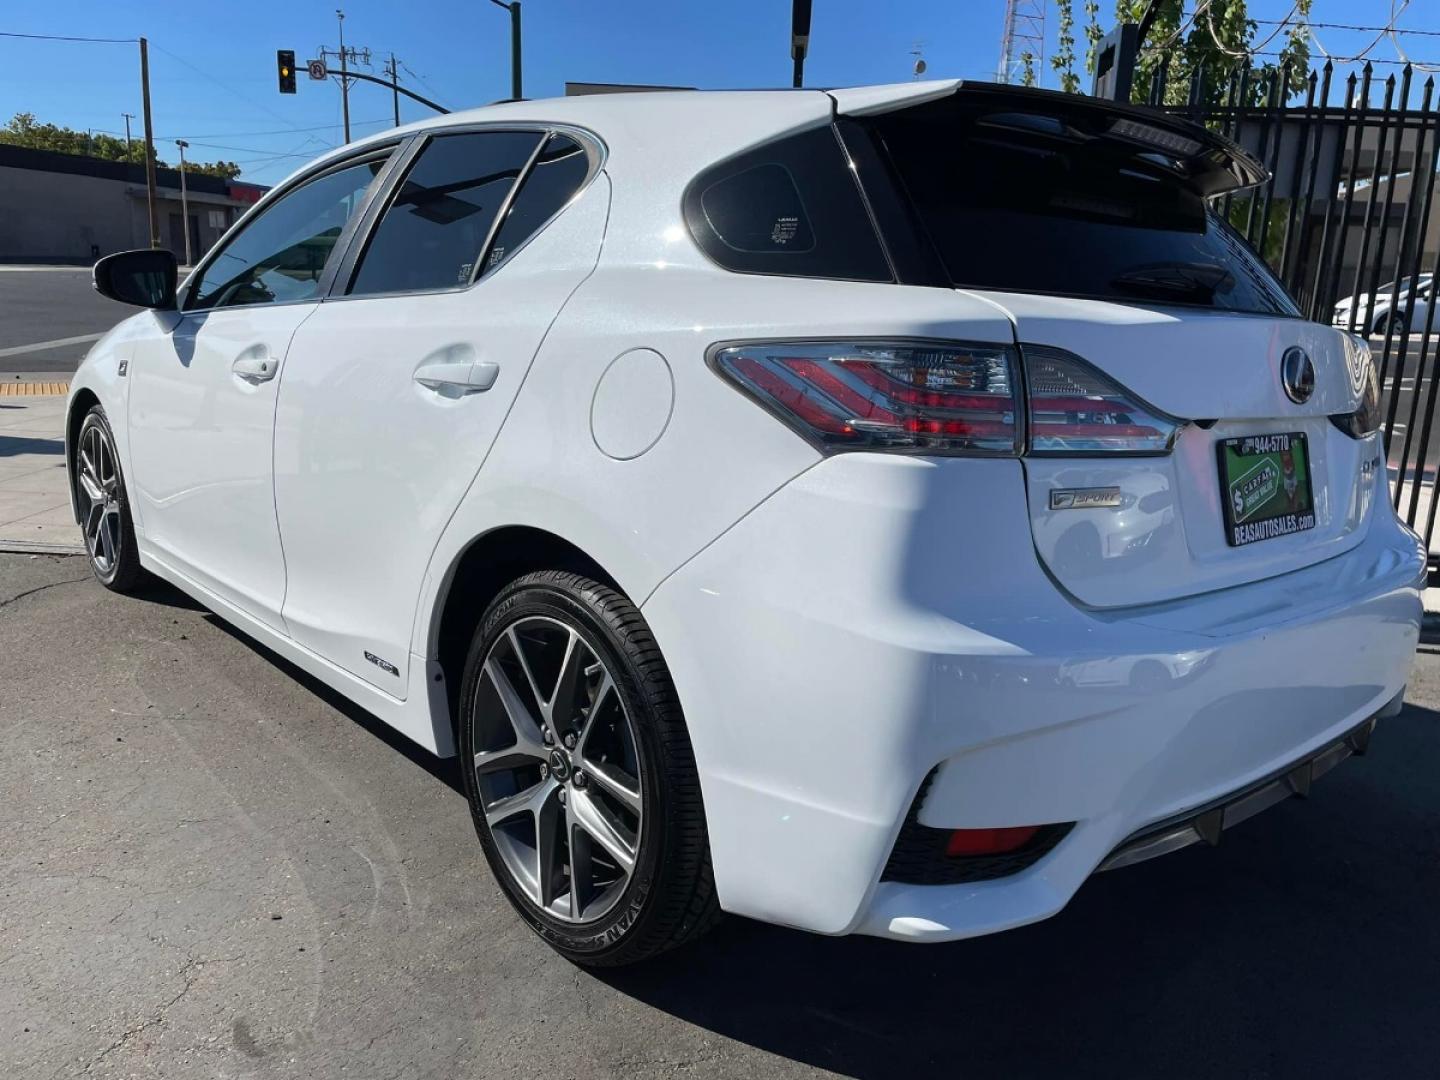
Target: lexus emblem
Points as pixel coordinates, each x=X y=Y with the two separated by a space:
x=1297 y=374
x=559 y=765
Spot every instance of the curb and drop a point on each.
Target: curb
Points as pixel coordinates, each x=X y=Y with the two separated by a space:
x=39 y=547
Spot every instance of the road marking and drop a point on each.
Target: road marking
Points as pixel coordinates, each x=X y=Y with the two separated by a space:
x=58 y=343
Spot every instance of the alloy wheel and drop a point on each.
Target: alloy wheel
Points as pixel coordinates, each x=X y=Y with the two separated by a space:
x=557 y=769
x=98 y=487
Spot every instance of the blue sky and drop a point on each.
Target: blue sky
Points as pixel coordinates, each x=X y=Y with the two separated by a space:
x=213 y=64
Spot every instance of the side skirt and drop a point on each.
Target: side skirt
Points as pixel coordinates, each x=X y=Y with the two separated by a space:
x=423 y=717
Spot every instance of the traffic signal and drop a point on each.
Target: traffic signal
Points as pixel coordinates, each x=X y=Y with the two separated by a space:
x=285 y=64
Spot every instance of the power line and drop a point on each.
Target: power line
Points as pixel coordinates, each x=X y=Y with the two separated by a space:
x=220 y=83
x=1347 y=26
x=273 y=131
x=420 y=79
x=63 y=37
x=1424 y=64
x=242 y=134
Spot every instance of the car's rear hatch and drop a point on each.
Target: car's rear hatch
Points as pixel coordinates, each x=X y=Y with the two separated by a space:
x=1087 y=223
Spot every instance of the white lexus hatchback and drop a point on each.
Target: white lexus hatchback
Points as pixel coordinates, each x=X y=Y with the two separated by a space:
x=872 y=511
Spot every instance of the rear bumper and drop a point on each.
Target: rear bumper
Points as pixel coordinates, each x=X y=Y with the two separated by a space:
x=1207 y=824
x=880 y=620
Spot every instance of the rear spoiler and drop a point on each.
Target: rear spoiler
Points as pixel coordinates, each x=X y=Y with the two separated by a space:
x=1202 y=160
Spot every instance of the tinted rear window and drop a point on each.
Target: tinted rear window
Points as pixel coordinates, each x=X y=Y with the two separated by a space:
x=1013 y=201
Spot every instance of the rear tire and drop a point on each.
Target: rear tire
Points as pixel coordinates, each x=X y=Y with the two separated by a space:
x=576 y=762
x=104 y=507
x=1395 y=325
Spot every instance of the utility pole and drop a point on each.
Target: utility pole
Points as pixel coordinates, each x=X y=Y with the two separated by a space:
x=149 y=143
x=345 y=56
x=344 y=82
x=184 y=204
x=128 y=117
x=394 y=72
x=517 y=84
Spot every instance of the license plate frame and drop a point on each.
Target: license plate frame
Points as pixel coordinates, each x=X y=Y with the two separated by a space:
x=1256 y=495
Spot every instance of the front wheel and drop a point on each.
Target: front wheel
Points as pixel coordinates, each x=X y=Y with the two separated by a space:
x=580 y=775
x=1395 y=325
x=100 y=497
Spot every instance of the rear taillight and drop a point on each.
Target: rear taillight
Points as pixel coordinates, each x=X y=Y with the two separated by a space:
x=1366 y=419
x=1076 y=410
x=921 y=397
x=944 y=398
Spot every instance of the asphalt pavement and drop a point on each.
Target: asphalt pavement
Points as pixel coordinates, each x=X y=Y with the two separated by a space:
x=49 y=318
x=211 y=866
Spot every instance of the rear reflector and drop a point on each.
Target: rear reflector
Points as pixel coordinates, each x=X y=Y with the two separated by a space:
x=970 y=842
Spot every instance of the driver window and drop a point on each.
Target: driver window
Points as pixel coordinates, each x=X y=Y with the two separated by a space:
x=280 y=256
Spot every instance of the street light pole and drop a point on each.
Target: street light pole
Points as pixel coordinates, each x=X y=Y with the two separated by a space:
x=184 y=204
x=517 y=88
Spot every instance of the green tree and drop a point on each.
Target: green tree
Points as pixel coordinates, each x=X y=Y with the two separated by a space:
x=24 y=130
x=1216 y=42
x=226 y=170
x=1094 y=34
x=1063 y=59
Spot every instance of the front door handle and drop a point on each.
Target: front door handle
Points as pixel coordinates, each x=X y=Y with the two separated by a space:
x=261 y=368
x=466 y=376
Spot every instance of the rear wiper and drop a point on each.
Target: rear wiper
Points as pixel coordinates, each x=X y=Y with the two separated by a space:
x=1197 y=281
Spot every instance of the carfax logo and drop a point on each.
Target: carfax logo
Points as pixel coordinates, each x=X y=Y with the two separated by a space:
x=1254 y=488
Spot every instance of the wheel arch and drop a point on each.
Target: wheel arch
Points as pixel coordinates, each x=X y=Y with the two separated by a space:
x=81 y=402
x=475 y=577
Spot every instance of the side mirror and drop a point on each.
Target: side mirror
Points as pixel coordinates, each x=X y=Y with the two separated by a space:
x=145 y=278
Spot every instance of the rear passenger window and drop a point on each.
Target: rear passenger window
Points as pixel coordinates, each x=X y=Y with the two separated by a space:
x=791 y=207
x=557 y=175
x=437 y=222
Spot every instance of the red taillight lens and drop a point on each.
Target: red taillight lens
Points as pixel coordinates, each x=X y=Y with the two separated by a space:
x=968 y=842
x=1076 y=410
x=935 y=398
x=1366 y=419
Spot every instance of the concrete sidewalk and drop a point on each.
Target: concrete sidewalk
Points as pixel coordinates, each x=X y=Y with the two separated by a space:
x=34 y=501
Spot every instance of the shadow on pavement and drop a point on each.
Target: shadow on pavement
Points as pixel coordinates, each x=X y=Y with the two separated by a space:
x=1307 y=943
x=15 y=445
x=158 y=591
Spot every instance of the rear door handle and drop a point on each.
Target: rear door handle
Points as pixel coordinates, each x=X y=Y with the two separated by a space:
x=467 y=376
x=253 y=368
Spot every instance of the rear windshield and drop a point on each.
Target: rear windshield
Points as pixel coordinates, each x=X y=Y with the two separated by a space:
x=1022 y=202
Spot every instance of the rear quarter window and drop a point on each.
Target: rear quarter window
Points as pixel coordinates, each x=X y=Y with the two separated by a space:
x=791 y=207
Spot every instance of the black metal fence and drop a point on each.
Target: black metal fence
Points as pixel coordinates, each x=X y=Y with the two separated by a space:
x=1348 y=222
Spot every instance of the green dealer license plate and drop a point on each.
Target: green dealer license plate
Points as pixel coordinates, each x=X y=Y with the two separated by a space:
x=1265 y=486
